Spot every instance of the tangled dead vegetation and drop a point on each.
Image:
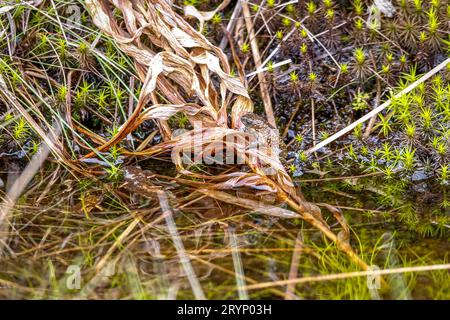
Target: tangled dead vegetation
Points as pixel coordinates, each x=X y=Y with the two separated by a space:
x=182 y=72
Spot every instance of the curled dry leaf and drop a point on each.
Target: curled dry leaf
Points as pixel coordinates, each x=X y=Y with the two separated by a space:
x=202 y=16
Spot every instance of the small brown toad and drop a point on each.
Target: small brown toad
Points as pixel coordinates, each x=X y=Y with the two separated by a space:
x=265 y=134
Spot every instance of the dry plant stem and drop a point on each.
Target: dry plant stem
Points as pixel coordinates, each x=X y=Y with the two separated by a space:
x=50 y=138
x=374 y=118
x=131 y=106
x=304 y=210
x=236 y=60
x=347 y=275
x=20 y=184
x=162 y=124
x=237 y=263
x=231 y=24
x=380 y=108
x=373 y=174
x=232 y=273
x=257 y=59
x=68 y=110
x=297 y=108
x=311 y=219
x=101 y=264
x=184 y=258
x=274 y=66
x=250 y=204
x=9 y=284
x=293 y=270
x=313 y=121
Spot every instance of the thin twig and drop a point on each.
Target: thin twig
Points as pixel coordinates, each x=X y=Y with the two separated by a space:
x=184 y=258
x=22 y=182
x=237 y=263
x=257 y=59
x=374 y=118
x=347 y=275
x=313 y=122
x=286 y=129
x=231 y=24
x=293 y=271
x=380 y=108
x=274 y=66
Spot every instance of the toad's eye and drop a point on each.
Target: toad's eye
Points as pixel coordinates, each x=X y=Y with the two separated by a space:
x=245 y=121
